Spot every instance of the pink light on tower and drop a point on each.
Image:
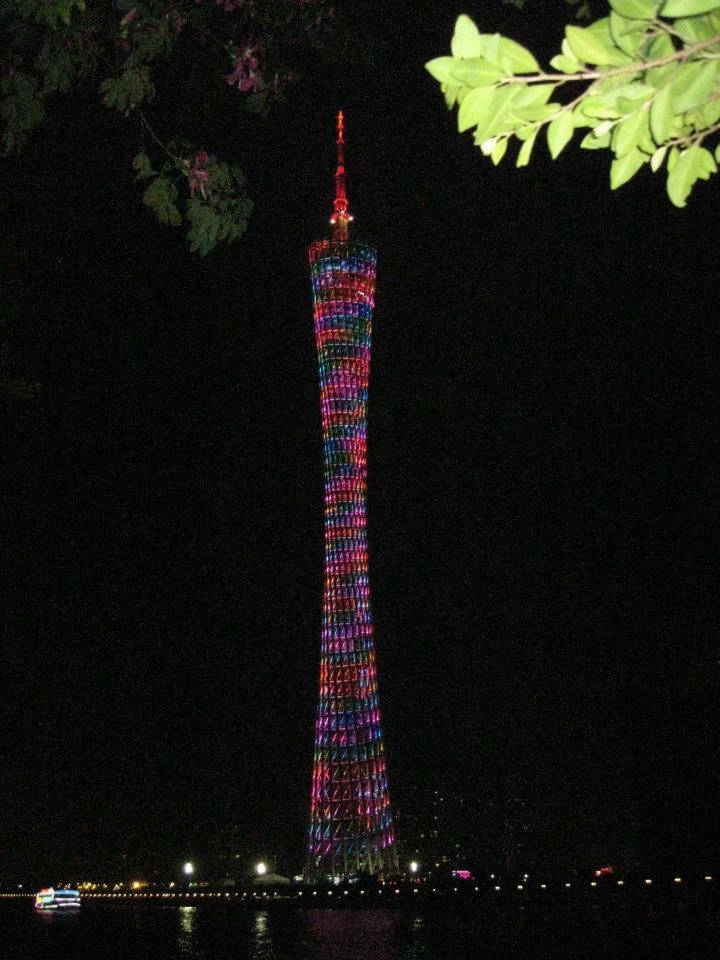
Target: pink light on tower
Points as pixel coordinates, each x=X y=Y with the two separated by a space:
x=351 y=828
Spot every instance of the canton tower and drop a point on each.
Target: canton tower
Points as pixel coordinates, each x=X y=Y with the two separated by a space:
x=351 y=827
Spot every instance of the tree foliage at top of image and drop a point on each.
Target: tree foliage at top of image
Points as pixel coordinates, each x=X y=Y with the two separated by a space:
x=127 y=51
x=643 y=83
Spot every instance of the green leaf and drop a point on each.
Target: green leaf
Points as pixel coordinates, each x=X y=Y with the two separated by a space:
x=141 y=164
x=541 y=111
x=592 y=141
x=717 y=153
x=661 y=115
x=450 y=94
x=565 y=64
x=635 y=9
x=514 y=58
x=440 y=68
x=628 y=35
x=483 y=107
x=127 y=91
x=660 y=48
x=587 y=46
x=475 y=72
x=533 y=95
x=602 y=108
x=473 y=107
x=694 y=29
x=466 y=41
x=523 y=157
x=656 y=160
x=160 y=197
x=708 y=114
x=499 y=151
x=494 y=117
x=695 y=163
x=629 y=132
x=624 y=168
x=687 y=8
x=21 y=108
x=693 y=83
x=559 y=133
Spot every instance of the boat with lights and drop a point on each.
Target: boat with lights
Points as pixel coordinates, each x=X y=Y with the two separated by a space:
x=51 y=899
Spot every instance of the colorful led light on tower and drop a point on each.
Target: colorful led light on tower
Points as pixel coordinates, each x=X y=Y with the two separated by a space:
x=351 y=829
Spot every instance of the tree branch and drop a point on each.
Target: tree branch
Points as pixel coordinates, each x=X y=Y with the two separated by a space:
x=636 y=67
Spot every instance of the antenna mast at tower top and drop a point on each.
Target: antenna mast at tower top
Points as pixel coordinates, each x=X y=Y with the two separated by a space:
x=341 y=217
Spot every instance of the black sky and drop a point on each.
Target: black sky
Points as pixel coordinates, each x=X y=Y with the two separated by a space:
x=543 y=471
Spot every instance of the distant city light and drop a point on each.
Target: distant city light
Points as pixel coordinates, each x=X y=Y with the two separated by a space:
x=678 y=879
x=414 y=866
x=648 y=882
x=188 y=869
x=708 y=878
x=260 y=869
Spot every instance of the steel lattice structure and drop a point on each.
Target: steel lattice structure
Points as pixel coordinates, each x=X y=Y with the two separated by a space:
x=351 y=828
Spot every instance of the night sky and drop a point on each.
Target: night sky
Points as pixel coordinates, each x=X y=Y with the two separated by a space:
x=543 y=461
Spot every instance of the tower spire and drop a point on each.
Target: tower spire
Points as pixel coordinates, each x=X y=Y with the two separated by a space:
x=341 y=217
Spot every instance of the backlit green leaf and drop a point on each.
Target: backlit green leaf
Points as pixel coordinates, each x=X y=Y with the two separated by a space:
x=695 y=163
x=624 y=168
x=588 y=47
x=499 y=151
x=592 y=141
x=514 y=58
x=635 y=9
x=627 y=34
x=533 y=94
x=473 y=107
x=475 y=72
x=656 y=160
x=565 y=64
x=440 y=68
x=466 y=40
x=687 y=8
x=486 y=107
x=523 y=157
x=497 y=119
x=559 y=133
x=695 y=29
x=693 y=83
x=661 y=115
x=629 y=132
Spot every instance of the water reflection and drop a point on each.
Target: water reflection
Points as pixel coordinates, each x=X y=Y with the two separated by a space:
x=353 y=934
x=415 y=940
x=187 y=937
x=262 y=940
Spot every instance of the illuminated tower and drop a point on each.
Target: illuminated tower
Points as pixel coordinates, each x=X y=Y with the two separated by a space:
x=351 y=829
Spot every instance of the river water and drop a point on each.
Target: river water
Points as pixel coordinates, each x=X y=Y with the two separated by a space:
x=229 y=932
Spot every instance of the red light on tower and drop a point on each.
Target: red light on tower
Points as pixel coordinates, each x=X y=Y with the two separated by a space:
x=341 y=217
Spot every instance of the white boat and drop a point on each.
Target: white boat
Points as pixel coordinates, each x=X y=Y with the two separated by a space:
x=51 y=899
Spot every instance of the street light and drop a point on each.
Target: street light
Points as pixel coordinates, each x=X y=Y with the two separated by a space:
x=260 y=869
x=414 y=866
x=188 y=869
